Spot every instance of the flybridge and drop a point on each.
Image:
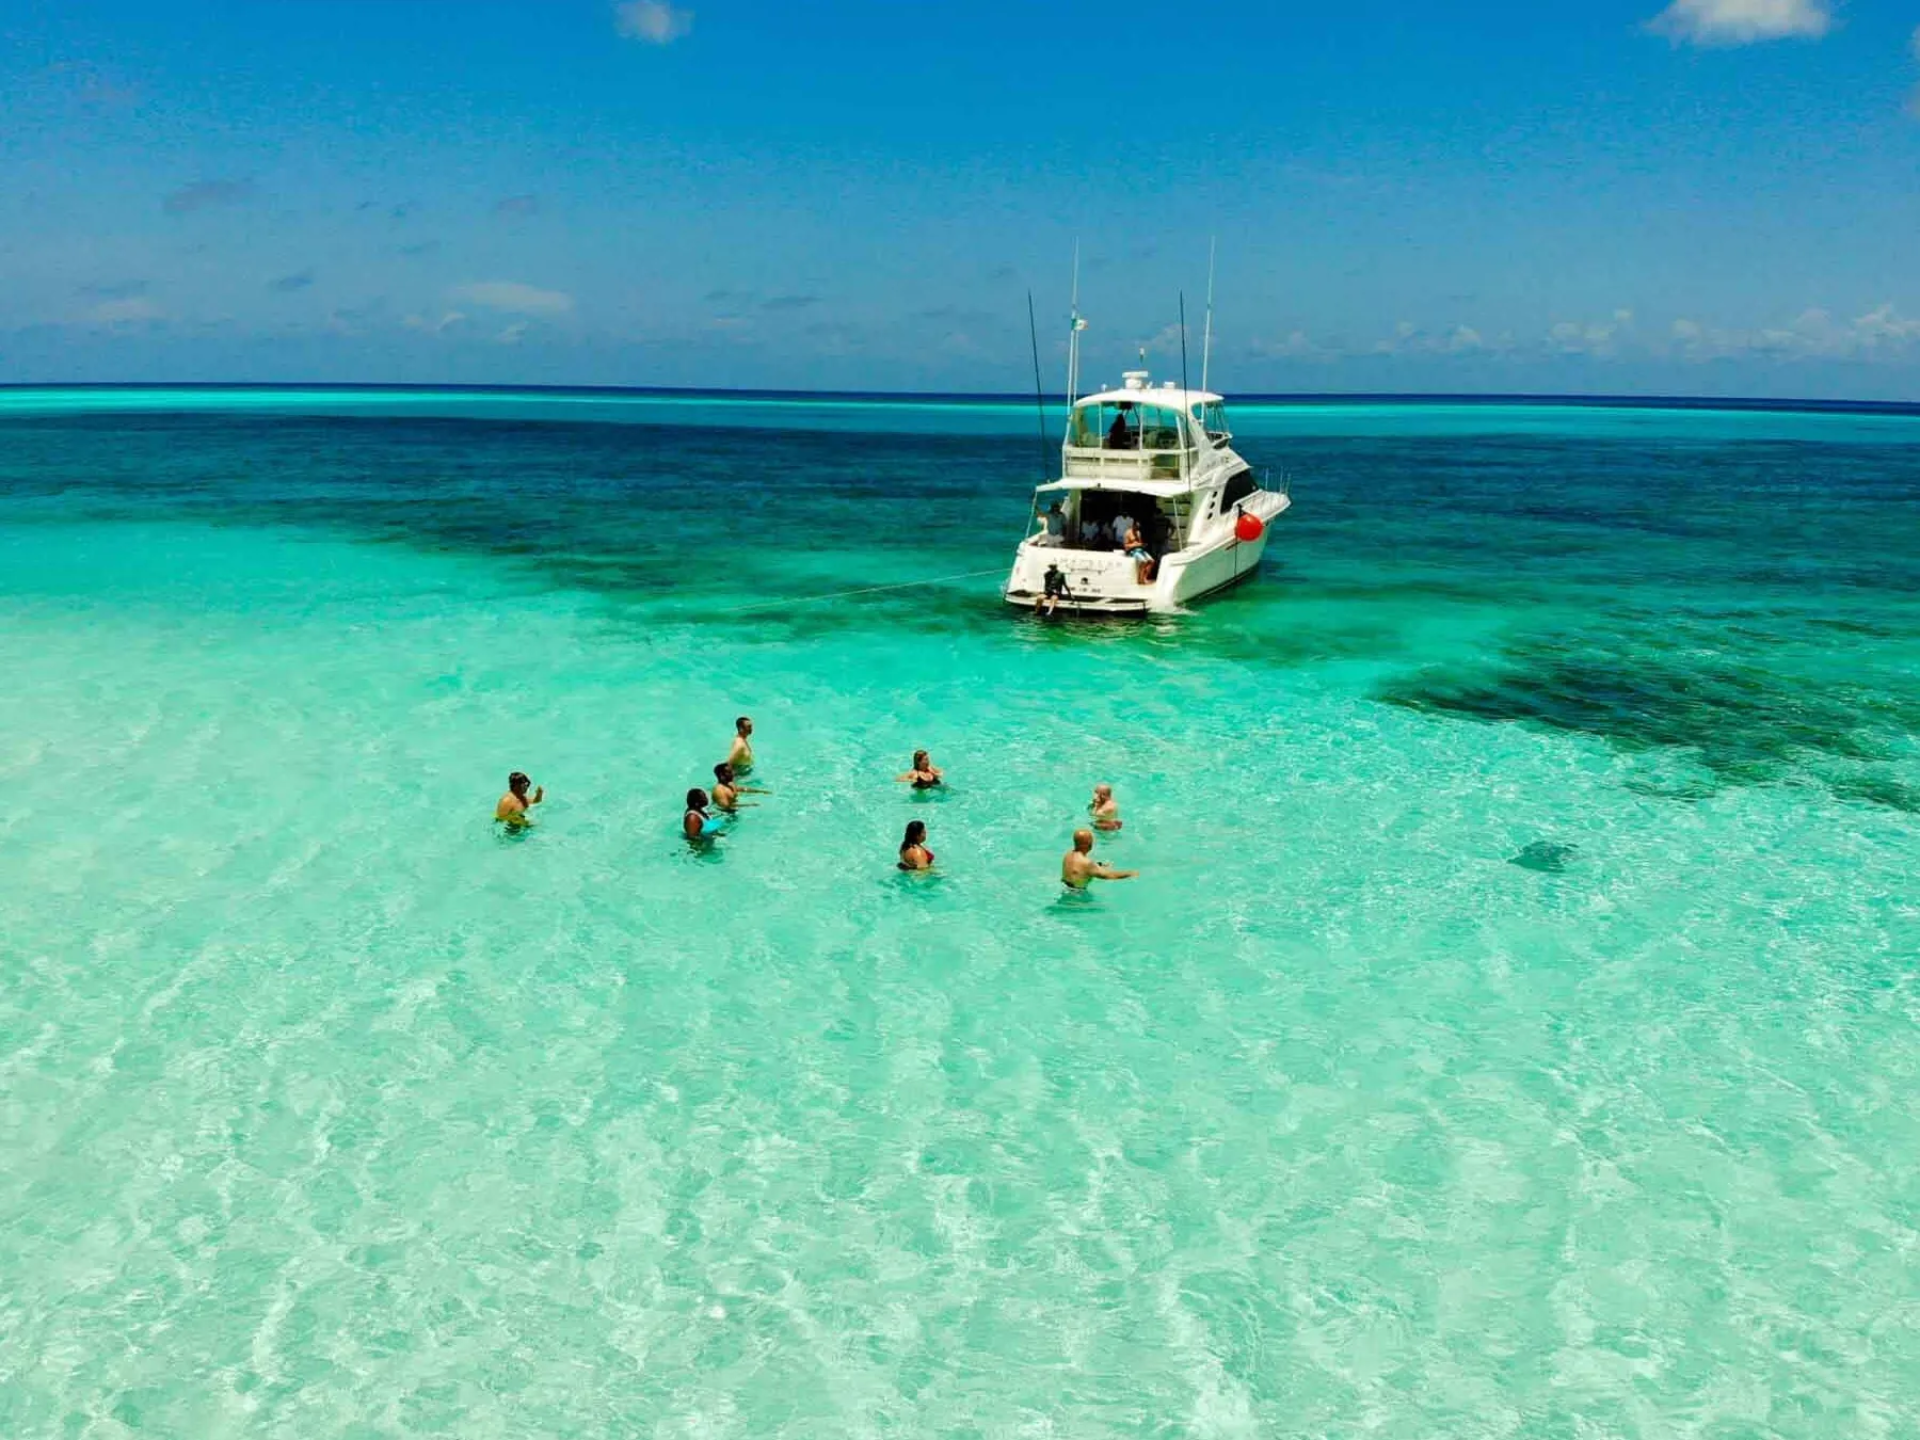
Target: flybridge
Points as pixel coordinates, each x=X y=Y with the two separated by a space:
x=1146 y=432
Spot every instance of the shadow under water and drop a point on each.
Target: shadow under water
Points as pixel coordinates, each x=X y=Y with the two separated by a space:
x=1745 y=724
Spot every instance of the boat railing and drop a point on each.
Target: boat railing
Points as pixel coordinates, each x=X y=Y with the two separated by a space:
x=1099 y=463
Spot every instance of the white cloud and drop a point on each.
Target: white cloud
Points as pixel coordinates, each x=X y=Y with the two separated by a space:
x=127 y=310
x=435 y=327
x=1163 y=347
x=653 y=21
x=1880 y=334
x=1742 y=22
x=515 y=298
x=1409 y=339
x=513 y=334
x=1296 y=346
x=1598 y=337
x=1882 y=327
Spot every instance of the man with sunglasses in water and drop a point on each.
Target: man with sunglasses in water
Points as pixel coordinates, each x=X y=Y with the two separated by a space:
x=516 y=803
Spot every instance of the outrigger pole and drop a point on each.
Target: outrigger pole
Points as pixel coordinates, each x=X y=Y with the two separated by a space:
x=1039 y=396
x=1183 y=340
x=1073 y=334
x=1206 y=344
x=1186 y=466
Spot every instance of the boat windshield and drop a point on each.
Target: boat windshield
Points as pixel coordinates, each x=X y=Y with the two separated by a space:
x=1124 y=425
x=1213 y=419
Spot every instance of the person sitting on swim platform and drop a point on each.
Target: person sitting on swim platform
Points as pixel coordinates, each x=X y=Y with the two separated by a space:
x=1054 y=590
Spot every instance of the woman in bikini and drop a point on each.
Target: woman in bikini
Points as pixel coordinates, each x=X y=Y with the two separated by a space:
x=914 y=854
x=924 y=775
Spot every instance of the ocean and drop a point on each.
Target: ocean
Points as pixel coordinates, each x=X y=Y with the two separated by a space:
x=1512 y=1031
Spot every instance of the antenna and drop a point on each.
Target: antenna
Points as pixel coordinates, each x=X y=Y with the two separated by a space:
x=1183 y=340
x=1186 y=400
x=1073 y=334
x=1206 y=345
x=1039 y=399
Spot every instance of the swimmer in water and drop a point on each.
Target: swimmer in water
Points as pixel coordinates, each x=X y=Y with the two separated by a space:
x=1078 y=867
x=515 y=804
x=914 y=854
x=697 y=823
x=727 y=790
x=1104 y=808
x=741 y=755
x=924 y=775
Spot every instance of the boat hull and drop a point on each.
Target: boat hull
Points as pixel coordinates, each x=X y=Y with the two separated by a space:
x=1102 y=582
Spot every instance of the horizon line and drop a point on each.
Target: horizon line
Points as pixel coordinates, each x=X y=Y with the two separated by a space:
x=1278 y=397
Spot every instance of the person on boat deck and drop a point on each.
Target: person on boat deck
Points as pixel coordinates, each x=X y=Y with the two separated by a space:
x=1122 y=523
x=515 y=804
x=1120 y=433
x=1104 y=808
x=697 y=823
x=740 y=756
x=1078 y=867
x=1136 y=547
x=1054 y=590
x=924 y=775
x=914 y=854
x=1056 y=521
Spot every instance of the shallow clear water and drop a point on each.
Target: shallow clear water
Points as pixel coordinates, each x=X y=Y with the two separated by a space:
x=1512 y=1031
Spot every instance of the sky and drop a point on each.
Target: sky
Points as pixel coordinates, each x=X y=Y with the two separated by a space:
x=1721 y=197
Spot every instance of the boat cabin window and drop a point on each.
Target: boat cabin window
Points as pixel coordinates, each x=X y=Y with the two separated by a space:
x=1125 y=425
x=1212 y=417
x=1239 y=486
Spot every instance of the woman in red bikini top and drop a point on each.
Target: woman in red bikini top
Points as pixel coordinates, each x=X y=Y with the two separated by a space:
x=914 y=854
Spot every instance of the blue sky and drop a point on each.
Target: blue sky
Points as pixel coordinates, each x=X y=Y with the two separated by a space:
x=1719 y=197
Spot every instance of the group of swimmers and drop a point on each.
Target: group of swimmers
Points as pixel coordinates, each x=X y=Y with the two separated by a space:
x=699 y=823
x=1078 y=868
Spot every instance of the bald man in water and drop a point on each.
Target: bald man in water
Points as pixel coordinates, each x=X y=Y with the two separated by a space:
x=1078 y=868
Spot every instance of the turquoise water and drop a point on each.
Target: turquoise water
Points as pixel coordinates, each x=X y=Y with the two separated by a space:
x=1512 y=1031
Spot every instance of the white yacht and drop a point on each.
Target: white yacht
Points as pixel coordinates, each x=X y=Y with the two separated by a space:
x=1157 y=458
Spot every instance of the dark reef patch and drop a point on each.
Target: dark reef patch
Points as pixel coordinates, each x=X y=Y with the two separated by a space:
x=1743 y=723
x=1549 y=857
x=1880 y=790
